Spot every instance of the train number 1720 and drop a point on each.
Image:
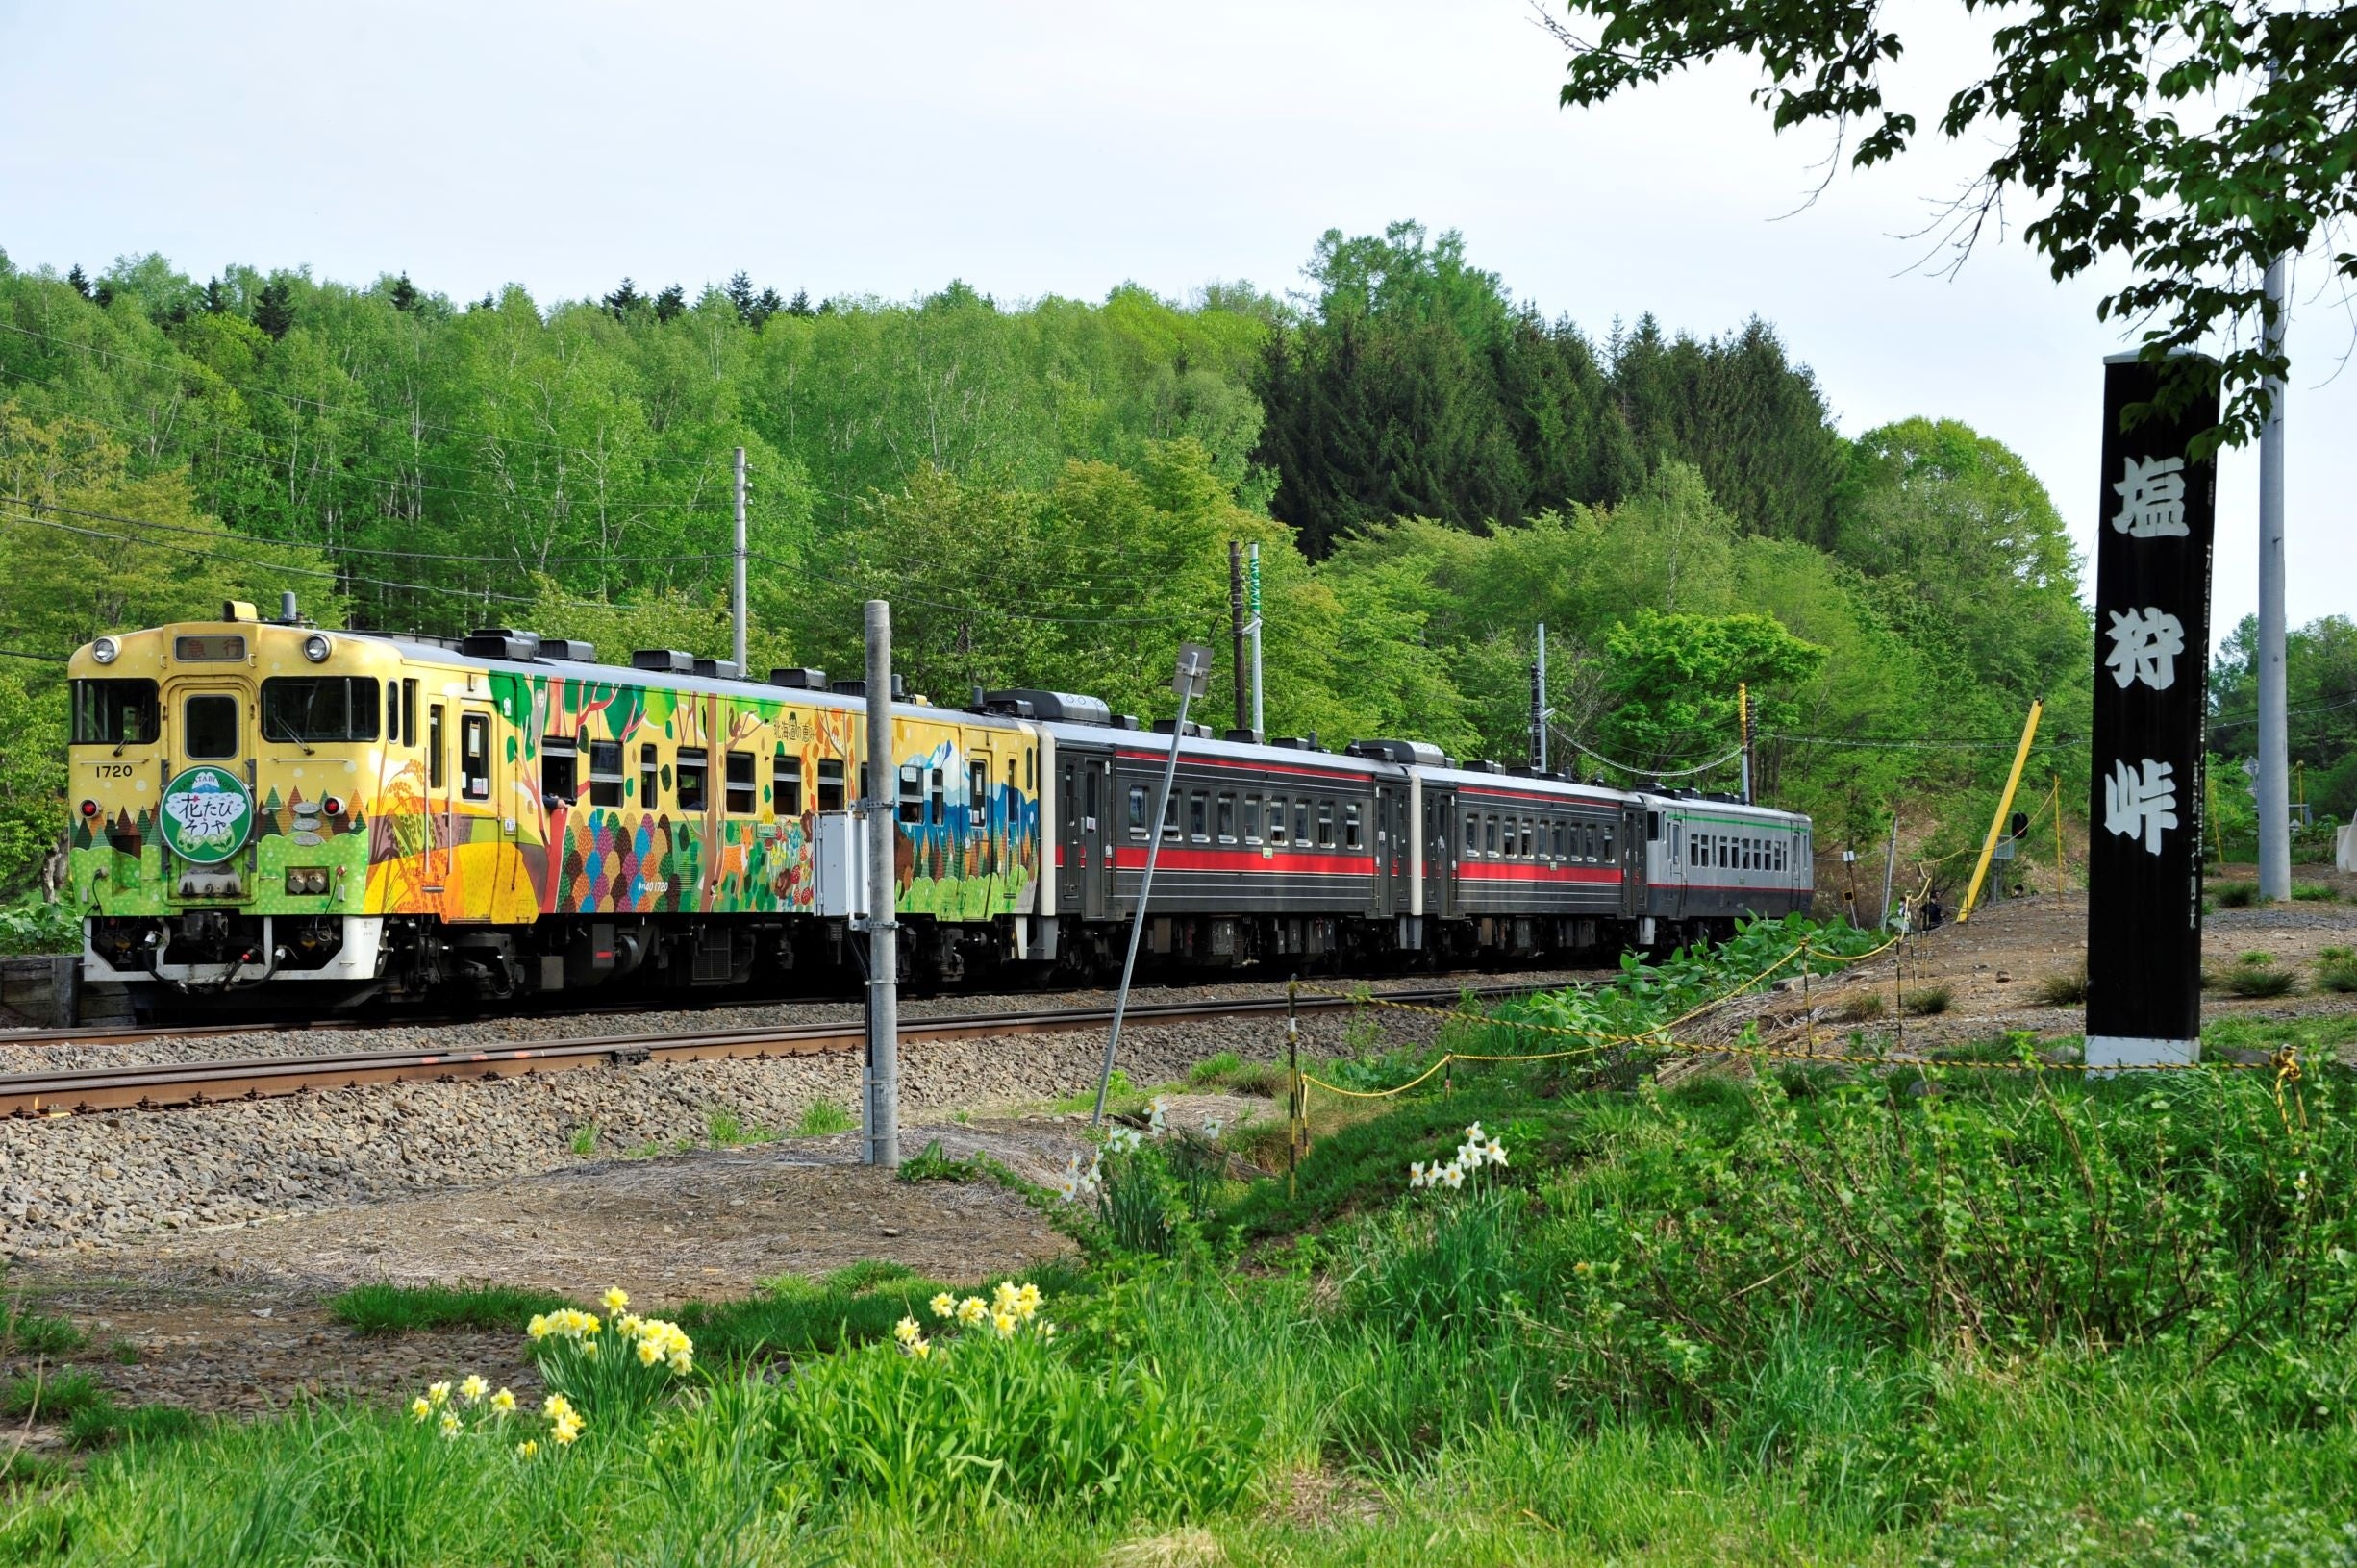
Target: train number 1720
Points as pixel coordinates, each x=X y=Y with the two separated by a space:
x=111 y=770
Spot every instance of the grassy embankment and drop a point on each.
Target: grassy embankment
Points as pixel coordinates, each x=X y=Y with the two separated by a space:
x=1974 y=1315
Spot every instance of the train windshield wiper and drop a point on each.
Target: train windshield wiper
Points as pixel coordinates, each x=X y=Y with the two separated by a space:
x=289 y=729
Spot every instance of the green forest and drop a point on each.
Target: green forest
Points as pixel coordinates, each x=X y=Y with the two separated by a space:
x=1046 y=490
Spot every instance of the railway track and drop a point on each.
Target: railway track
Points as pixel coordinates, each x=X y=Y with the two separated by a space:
x=157 y=1086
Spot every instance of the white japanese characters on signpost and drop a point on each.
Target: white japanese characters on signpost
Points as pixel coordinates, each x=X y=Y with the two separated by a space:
x=2152 y=613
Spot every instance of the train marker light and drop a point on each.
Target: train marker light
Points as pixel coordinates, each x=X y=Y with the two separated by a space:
x=89 y=807
x=317 y=647
x=104 y=649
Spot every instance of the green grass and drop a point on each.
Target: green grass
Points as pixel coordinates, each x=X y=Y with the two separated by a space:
x=1214 y=1070
x=2255 y=975
x=584 y=1141
x=380 y=1307
x=726 y=1130
x=2315 y=892
x=794 y=1317
x=821 y=1117
x=2064 y=988
x=102 y=1420
x=2235 y=895
x=1864 y=1007
x=40 y=1334
x=1930 y=1001
x=1121 y=1096
x=49 y=1395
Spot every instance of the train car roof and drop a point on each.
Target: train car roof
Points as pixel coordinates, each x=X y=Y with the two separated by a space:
x=1156 y=743
x=1720 y=808
x=1524 y=783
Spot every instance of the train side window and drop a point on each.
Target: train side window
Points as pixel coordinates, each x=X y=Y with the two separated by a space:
x=1251 y=819
x=605 y=773
x=409 y=711
x=1224 y=821
x=1013 y=806
x=830 y=784
x=1276 y=820
x=1489 y=835
x=1608 y=842
x=743 y=790
x=1779 y=856
x=475 y=756
x=1472 y=833
x=1170 y=814
x=1560 y=851
x=1031 y=772
x=1676 y=837
x=978 y=793
x=941 y=796
x=1301 y=823
x=392 y=712
x=785 y=784
x=1198 y=817
x=650 y=778
x=1353 y=834
x=691 y=768
x=433 y=746
x=912 y=793
x=1136 y=811
x=557 y=765
x=1588 y=841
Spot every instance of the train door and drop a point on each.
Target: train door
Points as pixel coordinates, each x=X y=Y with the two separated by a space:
x=1391 y=893
x=1084 y=871
x=441 y=797
x=1439 y=851
x=208 y=789
x=1631 y=861
x=475 y=809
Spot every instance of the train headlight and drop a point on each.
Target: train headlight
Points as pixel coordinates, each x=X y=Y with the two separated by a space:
x=305 y=879
x=317 y=646
x=104 y=649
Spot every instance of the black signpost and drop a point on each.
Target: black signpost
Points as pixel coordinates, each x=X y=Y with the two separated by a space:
x=2152 y=655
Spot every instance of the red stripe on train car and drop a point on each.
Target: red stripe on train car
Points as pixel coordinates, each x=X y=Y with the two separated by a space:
x=1510 y=871
x=1248 y=861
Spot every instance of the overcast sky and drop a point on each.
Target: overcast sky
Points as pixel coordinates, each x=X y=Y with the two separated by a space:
x=1064 y=148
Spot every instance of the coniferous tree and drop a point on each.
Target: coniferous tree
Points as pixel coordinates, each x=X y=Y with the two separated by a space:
x=739 y=293
x=671 y=304
x=623 y=300
x=766 y=307
x=79 y=280
x=403 y=294
x=800 y=304
x=274 y=307
x=216 y=297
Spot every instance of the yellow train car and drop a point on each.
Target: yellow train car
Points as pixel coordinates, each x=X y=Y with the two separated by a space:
x=263 y=801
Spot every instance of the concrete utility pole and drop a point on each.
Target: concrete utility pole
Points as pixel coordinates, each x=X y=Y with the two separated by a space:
x=1253 y=587
x=880 y=1100
x=1194 y=669
x=2274 y=789
x=1743 y=715
x=1235 y=624
x=736 y=590
x=1537 y=704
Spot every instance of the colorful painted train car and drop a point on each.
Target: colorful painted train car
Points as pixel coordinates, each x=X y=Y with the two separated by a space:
x=263 y=803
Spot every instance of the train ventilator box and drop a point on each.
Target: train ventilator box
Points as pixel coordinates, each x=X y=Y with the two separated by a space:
x=842 y=866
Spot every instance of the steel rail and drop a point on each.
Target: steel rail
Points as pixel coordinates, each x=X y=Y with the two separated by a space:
x=166 y=1085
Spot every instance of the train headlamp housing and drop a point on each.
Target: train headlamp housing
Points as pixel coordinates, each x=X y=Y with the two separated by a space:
x=307 y=880
x=317 y=646
x=105 y=649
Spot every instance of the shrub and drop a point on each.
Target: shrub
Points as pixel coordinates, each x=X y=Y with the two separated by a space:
x=2236 y=895
x=2337 y=971
x=1864 y=1007
x=50 y=1396
x=2315 y=892
x=2066 y=988
x=1930 y=1001
x=40 y=1334
x=32 y=926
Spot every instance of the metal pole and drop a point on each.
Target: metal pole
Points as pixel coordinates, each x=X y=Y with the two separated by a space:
x=1146 y=889
x=2274 y=723
x=1252 y=587
x=2005 y=804
x=736 y=602
x=881 y=1102
x=1890 y=868
x=1743 y=715
x=1538 y=705
x=1236 y=625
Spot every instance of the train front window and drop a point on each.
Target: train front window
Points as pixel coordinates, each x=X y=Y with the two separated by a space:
x=211 y=721
x=114 y=712
x=308 y=709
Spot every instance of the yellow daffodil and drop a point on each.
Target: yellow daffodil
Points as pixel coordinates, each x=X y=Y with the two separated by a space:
x=474 y=1387
x=438 y=1393
x=528 y=1446
x=681 y=1362
x=649 y=1353
x=1004 y=1323
x=972 y=1310
x=922 y=1349
x=555 y=1406
x=537 y=1327
x=420 y=1408
x=945 y=1305
x=503 y=1401
x=450 y=1424
x=566 y=1430
x=906 y=1332
x=589 y=1350
x=617 y=1299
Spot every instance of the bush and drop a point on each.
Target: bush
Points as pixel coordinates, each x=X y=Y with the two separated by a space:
x=2336 y=970
x=2236 y=895
x=2248 y=979
x=2315 y=892
x=50 y=1396
x=1864 y=1007
x=31 y=925
x=40 y=1334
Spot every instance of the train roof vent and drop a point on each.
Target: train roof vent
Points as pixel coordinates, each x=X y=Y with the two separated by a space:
x=1419 y=753
x=1297 y=743
x=717 y=669
x=572 y=649
x=799 y=678
x=1194 y=731
x=1246 y=737
x=859 y=688
x=1056 y=706
x=501 y=642
x=1482 y=765
x=669 y=661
